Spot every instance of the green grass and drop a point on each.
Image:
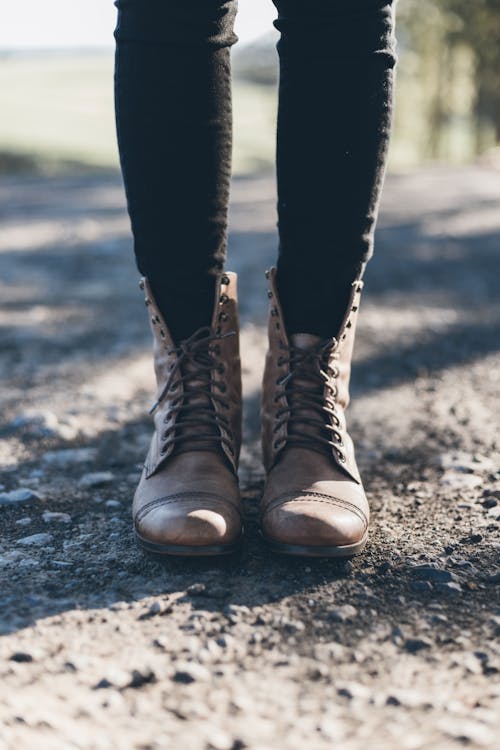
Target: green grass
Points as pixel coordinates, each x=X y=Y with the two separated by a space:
x=59 y=107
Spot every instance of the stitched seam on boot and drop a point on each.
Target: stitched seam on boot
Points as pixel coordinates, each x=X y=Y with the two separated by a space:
x=318 y=498
x=170 y=499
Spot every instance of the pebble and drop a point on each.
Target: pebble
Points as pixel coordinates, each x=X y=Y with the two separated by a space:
x=16 y=497
x=472 y=539
x=412 y=645
x=196 y=589
x=22 y=657
x=115 y=678
x=489 y=502
x=421 y=586
x=69 y=456
x=25 y=521
x=113 y=504
x=221 y=741
x=49 y=516
x=35 y=540
x=96 y=479
x=188 y=672
x=431 y=573
x=343 y=613
x=141 y=677
x=448 y=588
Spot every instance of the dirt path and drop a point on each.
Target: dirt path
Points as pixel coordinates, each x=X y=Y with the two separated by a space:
x=104 y=648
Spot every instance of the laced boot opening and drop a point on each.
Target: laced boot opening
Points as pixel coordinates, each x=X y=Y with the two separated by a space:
x=311 y=415
x=194 y=394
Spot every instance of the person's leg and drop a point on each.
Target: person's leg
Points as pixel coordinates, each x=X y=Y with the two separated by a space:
x=337 y=59
x=173 y=114
x=337 y=62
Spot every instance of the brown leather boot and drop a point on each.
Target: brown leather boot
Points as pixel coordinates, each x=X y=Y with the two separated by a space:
x=188 y=500
x=314 y=503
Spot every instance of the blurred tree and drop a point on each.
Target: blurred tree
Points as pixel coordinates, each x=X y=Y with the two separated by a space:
x=451 y=48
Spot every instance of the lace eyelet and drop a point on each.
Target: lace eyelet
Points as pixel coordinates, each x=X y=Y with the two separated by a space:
x=223 y=316
x=225 y=280
x=224 y=299
x=281 y=361
x=222 y=387
x=274 y=311
x=340 y=456
x=270 y=294
x=221 y=369
x=163 y=450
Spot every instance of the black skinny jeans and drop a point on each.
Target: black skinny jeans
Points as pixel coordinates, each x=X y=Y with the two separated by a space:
x=174 y=123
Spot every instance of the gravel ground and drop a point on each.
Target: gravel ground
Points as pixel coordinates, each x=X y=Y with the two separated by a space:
x=103 y=647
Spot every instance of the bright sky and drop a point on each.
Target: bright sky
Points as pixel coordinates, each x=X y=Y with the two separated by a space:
x=63 y=23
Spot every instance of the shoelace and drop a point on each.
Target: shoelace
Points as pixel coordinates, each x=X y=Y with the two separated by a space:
x=195 y=362
x=307 y=406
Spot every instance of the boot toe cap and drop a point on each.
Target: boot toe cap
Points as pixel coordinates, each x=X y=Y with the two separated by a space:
x=190 y=525
x=309 y=523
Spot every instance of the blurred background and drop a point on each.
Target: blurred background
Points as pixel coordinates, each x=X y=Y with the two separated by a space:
x=56 y=97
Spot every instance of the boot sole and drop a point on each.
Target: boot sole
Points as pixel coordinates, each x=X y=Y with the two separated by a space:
x=314 y=550
x=181 y=550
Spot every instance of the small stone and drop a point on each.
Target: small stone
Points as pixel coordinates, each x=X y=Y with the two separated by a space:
x=25 y=521
x=412 y=645
x=113 y=504
x=188 y=672
x=50 y=516
x=219 y=740
x=96 y=479
x=489 y=502
x=343 y=613
x=22 y=657
x=472 y=539
x=36 y=540
x=70 y=456
x=16 y=497
x=431 y=573
x=196 y=589
x=448 y=589
x=421 y=587
x=115 y=678
x=141 y=677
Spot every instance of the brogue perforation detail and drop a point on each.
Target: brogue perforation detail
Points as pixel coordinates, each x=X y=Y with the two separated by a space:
x=314 y=497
